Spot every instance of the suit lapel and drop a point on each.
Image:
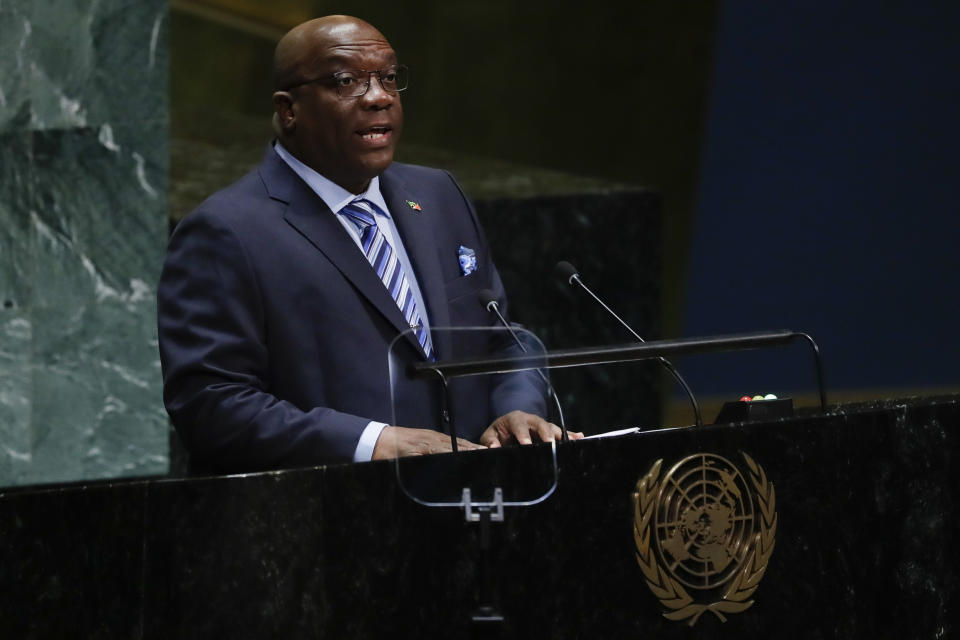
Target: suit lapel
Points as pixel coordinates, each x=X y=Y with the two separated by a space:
x=309 y=215
x=417 y=233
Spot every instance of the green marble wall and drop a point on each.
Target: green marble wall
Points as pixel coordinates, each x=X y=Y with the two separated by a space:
x=83 y=184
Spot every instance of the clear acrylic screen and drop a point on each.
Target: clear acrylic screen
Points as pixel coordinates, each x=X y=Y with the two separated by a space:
x=525 y=474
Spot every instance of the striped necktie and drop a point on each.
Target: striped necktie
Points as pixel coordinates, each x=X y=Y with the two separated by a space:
x=384 y=261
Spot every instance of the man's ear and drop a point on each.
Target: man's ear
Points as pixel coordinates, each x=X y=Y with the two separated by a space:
x=284 y=116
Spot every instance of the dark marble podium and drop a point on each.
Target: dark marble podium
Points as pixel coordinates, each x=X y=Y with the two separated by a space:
x=865 y=543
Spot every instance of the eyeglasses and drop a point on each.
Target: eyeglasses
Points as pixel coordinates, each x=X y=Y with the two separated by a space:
x=355 y=83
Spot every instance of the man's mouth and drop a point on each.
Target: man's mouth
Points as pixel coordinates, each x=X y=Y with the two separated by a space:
x=375 y=134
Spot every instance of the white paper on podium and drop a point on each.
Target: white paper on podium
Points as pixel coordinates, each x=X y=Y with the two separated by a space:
x=613 y=434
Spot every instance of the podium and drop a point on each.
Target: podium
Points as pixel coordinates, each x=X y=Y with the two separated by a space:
x=851 y=515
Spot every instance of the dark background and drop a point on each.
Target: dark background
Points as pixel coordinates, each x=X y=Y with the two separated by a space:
x=827 y=193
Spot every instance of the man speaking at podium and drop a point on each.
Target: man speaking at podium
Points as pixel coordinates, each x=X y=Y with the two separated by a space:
x=281 y=294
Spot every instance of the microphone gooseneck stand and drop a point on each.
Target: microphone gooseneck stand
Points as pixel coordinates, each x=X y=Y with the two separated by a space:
x=569 y=273
x=489 y=302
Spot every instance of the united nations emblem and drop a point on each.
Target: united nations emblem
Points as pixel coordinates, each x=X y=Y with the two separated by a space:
x=704 y=534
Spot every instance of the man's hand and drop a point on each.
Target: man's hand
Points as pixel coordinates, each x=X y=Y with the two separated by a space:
x=522 y=427
x=404 y=441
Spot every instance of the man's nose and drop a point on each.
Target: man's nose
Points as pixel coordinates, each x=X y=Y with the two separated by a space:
x=376 y=95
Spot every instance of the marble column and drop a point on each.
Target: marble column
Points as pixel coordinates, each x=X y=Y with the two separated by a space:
x=83 y=183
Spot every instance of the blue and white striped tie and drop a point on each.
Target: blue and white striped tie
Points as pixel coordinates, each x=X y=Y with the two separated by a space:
x=384 y=261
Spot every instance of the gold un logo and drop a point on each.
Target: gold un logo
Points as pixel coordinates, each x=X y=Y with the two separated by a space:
x=704 y=534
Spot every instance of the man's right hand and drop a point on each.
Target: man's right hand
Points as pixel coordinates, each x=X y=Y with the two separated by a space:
x=402 y=441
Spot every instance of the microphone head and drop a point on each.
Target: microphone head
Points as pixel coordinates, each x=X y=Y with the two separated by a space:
x=566 y=271
x=486 y=298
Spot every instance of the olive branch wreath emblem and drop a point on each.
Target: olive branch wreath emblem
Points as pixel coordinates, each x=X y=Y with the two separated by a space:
x=670 y=592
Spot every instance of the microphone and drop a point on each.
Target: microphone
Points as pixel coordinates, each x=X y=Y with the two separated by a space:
x=568 y=272
x=489 y=301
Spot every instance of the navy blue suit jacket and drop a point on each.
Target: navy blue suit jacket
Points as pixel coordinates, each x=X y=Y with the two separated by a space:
x=274 y=329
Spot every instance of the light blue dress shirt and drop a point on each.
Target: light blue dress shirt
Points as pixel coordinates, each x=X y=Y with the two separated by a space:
x=336 y=197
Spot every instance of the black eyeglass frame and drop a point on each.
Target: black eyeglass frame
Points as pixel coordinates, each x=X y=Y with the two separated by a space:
x=396 y=68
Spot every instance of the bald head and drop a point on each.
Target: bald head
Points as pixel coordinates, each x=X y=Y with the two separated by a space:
x=347 y=138
x=297 y=52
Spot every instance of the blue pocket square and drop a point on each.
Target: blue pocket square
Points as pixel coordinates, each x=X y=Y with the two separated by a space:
x=468 y=260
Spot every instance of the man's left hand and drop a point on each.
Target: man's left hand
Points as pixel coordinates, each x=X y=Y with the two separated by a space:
x=524 y=428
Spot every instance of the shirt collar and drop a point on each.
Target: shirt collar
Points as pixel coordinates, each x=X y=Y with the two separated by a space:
x=332 y=194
